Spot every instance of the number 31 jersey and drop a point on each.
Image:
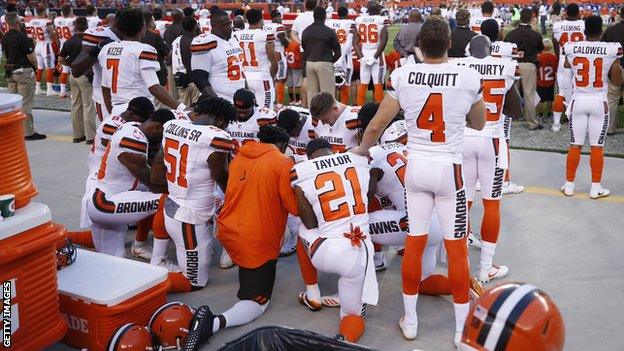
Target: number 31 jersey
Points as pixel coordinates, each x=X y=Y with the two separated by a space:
x=186 y=148
x=591 y=62
x=336 y=186
x=436 y=99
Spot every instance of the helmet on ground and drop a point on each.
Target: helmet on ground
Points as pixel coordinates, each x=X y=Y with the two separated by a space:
x=170 y=324
x=131 y=337
x=341 y=77
x=514 y=317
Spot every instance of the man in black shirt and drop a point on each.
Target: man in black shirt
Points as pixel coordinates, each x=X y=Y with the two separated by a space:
x=615 y=34
x=530 y=43
x=82 y=106
x=19 y=52
x=461 y=36
x=151 y=37
x=320 y=50
x=171 y=33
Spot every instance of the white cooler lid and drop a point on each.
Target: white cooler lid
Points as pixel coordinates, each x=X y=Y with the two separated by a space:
x=25 y=218
x=10 y=102
x=107 y=280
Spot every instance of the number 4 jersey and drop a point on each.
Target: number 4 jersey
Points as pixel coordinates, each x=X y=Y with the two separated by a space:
x=336 y=186
x=590 y=62
x=436 y=99
x=186 y=148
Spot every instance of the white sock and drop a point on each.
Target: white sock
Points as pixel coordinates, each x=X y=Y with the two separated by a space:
x=63 y=88
x=49 y=86
x=313 y=292
x=461 y=312
x=243 y=312
x=557 y=117
x=409 y=304
x=159 y=251
x=594 y=185
x=216 y=324
x=487 y=255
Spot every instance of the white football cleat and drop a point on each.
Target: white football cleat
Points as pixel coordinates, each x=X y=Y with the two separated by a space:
x=474 y=240
x=226 y=261
x=476 y=289
x=597 y=191
x=457 y=339
x=568 y=189
x=409 y=330
x=380 y=261
x=289 y=246
x=38 y=90
x=556 y=127
x=170 y=266
x=51 y=92
x=141 y=250
x=496 y=272
x=511 y=188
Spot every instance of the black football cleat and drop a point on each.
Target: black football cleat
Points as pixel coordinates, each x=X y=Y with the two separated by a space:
x=200 y=328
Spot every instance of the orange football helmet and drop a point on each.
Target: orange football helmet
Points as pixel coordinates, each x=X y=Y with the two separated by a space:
x=131 y=337
x=170 y=324
x=513 y=317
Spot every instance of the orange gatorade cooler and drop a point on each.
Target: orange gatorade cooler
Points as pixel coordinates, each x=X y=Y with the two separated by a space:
x=30 y=302
x=15 y=178
x=99 y=293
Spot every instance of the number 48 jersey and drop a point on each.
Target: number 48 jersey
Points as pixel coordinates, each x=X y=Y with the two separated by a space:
x=590 y=62
x=336 y=186
x=186 y=148
x=436 y=99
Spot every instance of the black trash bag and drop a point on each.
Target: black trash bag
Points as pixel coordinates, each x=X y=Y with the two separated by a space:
x=272 y=338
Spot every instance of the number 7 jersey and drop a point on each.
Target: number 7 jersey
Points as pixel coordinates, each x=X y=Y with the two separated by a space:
x=336 y=186
x=436 y=99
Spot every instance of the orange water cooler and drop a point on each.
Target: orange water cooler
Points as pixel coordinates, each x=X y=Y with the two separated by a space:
x=30 y=317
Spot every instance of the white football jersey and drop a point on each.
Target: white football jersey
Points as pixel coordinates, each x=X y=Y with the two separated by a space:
x=590 y=62
x=276 y=29
x=124 y=65
x=64 y=28
x=343 y=28
x=475 y=23
x=161 y=26
x=568 y=31
x=498 y=76
x=299 y=143
x=103 y=134
x=336 y=186
x=39 y=28
x=436 y=99
x=187 y=147
x=93 y=22
x=369 y=28
x=113 y=177
x=92 y=37
x=181 y=115
x=177 y=66
x=204 y=25
x=222 y=59
x=253 y=42
x=243 y=132
x=504 y=49
x=395 y=133
x=343 y=134
x=391 y=159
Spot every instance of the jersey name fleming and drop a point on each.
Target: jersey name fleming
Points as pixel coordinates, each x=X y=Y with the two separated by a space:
x=486 y=69
x=182 y=132
x=332 y=162
x=432 y=79
x=571 y=28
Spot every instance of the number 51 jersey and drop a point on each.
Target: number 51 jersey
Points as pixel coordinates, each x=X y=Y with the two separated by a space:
x=336 y=186
x=436 y=99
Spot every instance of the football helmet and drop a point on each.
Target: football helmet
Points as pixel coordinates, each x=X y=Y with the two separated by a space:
x=341 y=77
x=513 y=317
x=131 y=337
x=170 y=324
x=66 y=254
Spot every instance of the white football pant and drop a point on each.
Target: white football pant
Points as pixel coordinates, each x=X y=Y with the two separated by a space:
x=264 y=90
x=480 y=159
x=376 y=71
x=44 y=55
x=588 y=116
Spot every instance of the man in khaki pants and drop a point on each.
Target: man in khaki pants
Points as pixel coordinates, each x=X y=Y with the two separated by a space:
x=83 y=107
x=615 y=93
x=19 y=51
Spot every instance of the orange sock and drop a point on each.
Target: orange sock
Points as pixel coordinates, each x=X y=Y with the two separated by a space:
x=377 y=247
x=143 y=228
x=38 y=75
x=63 y=78
x=308 y=272
x=279 y=89
x=158 y=224
x=361 y=94
x=344 y=94
x=84 y=239
x=179 y=283
x=508 y=172
x=411 y=267
x=379 y=92
x=572 y=162
x=596 y=162
x=435 y=284
x=352 y=327
x=49 y=76
x=490 y=225
x=458 y=269
x=558 y=104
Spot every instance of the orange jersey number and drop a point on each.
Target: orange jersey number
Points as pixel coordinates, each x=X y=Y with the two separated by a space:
x=233 y=69
x=174 y=163
x=572 y=37
x=102 y=170
x=250 y=54
x=582 y=72
x=431 y=118
x=342 y=36
x=337 y=192
x=368 y=33
x=394 y=159
x=63 y=32
x=113 y=64
x=490 y=98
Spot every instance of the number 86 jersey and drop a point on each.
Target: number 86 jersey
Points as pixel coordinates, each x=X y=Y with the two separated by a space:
x=336 y=186
x=436 y=99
